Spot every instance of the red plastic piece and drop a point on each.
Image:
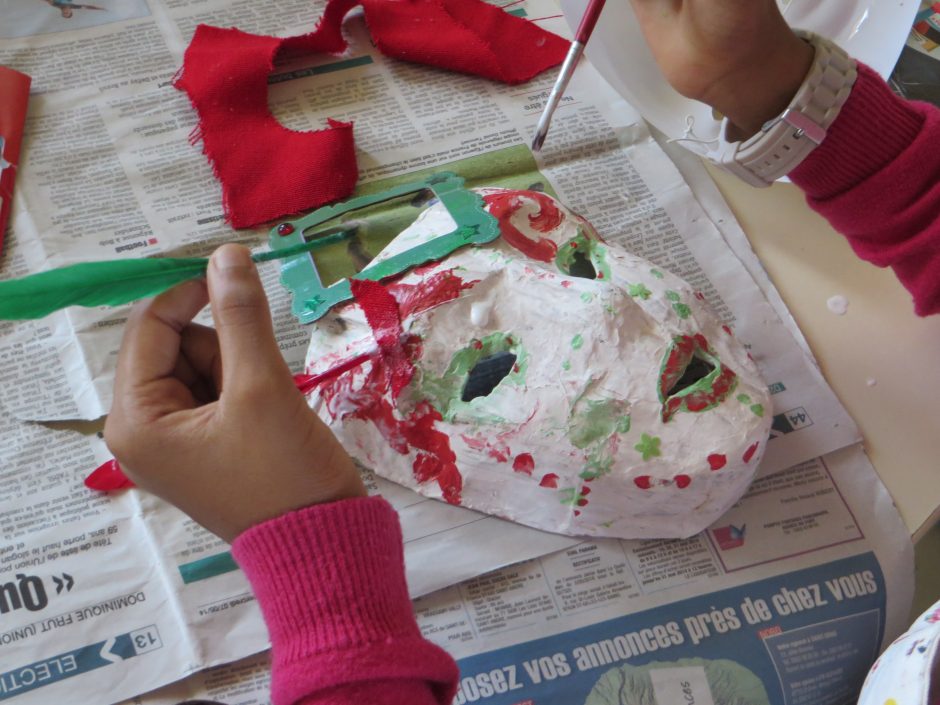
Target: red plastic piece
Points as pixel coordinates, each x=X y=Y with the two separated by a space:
x=108 y=477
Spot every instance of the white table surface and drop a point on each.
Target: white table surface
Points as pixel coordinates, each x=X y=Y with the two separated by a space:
x=879 y=338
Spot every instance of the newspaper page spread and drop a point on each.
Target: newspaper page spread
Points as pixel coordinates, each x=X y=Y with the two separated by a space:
x=88 y=581
x=122 y=594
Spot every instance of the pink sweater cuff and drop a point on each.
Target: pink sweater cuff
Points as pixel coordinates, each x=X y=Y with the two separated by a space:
x=872 y=129
x=876 y=179
x=330 y=581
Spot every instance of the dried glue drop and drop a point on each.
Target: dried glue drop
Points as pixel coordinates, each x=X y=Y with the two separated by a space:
x=838 y=305
x=285 y=229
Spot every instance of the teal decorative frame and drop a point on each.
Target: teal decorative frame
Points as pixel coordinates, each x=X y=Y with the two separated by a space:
x=475 y=226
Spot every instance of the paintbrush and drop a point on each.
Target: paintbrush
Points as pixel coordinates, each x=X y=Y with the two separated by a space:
x=585 y=28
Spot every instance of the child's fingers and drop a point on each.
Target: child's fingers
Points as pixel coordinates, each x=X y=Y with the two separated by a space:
x=251 y=359
x=151 y=343
x=200 y=346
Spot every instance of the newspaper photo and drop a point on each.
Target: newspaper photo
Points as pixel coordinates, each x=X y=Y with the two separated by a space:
x=917 y=73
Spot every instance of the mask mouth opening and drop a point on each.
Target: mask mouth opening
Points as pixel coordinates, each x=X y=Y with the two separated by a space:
x=698 y=369
x=486 y=374
x=581 y=266
x=583 y=258
x=692 y=378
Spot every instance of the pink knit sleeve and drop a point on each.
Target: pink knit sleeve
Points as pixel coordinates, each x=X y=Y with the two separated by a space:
x=876 y=179
x=330 y=581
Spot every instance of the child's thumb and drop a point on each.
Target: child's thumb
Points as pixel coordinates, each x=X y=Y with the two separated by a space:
x=250 y=354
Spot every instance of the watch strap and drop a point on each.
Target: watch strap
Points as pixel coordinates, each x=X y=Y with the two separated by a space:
x=785 y=141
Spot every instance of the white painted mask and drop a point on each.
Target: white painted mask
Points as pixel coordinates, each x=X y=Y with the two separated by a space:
x=557 y=381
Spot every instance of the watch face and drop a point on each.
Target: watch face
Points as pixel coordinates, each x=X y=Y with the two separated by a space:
x=871 y=31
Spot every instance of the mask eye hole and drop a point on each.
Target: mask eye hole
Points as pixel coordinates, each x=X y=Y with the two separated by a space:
x=698 y=369
x=488 y=372
x=692 y=378
x=581 y=266
x=583 y=257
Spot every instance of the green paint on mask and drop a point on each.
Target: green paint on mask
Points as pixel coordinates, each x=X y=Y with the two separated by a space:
x=656 y=273
x=672 y=295
x=758 y=410
x=639 y=291
x=566 y=365
x=648 y=447
x=445 y=392
x=577 y=342
x=586 y=247
x=682 y=310
x=743 y=398
x=593 y=421
x=569 y=495
x=623 y=425
x=592 y=424
x=586 y=297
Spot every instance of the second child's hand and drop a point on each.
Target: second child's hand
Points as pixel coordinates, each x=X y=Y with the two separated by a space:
x=738 y=56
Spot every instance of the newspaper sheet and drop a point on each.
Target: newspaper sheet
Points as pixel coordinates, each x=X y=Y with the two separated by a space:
x=714 y=619
x=128 y=594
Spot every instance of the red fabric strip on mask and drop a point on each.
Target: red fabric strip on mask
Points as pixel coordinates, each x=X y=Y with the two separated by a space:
x=381 y=311
x=268 y=171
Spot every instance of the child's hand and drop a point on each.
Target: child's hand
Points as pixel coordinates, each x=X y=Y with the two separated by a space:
x=212 y=421
x=739 y=56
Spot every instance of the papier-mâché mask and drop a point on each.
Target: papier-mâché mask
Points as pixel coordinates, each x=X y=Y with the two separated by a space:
x=545 y=377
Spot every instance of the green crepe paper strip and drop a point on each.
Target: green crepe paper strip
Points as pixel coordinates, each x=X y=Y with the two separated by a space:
x=116 y=282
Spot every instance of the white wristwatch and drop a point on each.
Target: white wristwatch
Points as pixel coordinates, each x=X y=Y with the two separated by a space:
x=784 y=142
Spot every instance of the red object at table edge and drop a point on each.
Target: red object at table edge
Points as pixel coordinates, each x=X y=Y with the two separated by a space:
x=14 y=95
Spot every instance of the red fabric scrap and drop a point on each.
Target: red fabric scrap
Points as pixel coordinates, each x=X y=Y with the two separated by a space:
x=268 y=171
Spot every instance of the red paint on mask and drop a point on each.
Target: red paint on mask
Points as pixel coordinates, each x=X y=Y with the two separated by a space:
x=499 y=452
x=644 y=482
x=680 y=355
x=504 y=204
x=749 y=453
x=549 y=480
x=307 y=383
x=716 y=461
x=682 y=481
x=433 y=291
x=524 y=463
x=389 y=372
x=382 y=314
x=434 y=461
